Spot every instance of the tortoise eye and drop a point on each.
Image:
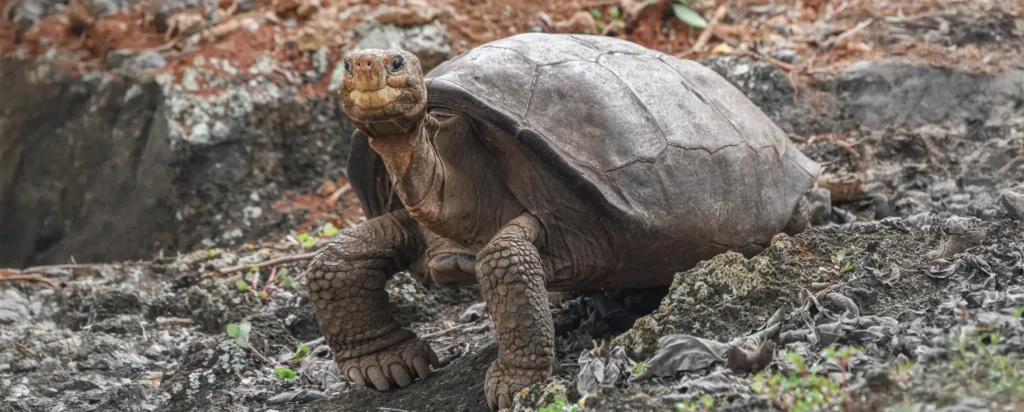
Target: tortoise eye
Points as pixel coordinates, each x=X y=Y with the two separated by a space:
x=397 y=64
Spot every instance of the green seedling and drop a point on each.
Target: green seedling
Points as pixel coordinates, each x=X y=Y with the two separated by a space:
x=328 y=230
x=301 y=351
x=284 y=373
x=684 y=11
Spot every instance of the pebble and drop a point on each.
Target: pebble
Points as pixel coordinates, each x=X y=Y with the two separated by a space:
x=1013 y=200
x=821 y=205
x=155 y=351
x=24 y=365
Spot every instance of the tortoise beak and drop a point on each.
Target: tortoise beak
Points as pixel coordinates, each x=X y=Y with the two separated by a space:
x=367 y=73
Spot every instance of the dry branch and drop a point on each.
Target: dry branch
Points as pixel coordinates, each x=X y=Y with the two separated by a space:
x=271 y=262
x=705 y=35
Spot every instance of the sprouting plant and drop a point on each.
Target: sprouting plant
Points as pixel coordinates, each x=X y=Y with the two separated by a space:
x=307 y=240
x=804 y=389
x=278 y=279
x=301 y=351
x=684 y=11
x=328 y=230
x=560 y=405
x=705 y=403
x=284 y=373
x=638 y=368
x=240 y=331
x=837 y=264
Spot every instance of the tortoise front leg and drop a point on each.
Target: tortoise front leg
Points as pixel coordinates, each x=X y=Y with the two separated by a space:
x=513 y=282
x=346 y=280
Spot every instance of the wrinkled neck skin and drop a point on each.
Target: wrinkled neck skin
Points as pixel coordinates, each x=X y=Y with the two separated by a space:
x=414 y=166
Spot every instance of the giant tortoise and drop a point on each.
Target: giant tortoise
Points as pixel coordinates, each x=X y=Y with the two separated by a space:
x=536 y=163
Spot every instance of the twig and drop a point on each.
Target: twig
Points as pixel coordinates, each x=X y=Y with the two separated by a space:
x=262 y=358
x=271 y=262
x=333 y=199
x=76 y=269
x=705 y=35
x=172 y=321
x=270 y=280
x=449 y=330
x=24 y=350
x=778 y=63
x=828 y=44
x=34 y=278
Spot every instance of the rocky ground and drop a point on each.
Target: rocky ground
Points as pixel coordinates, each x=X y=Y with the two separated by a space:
x=907 y=294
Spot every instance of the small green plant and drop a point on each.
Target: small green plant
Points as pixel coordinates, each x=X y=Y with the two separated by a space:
x=684 y=11
x=284 y=373
x=328 y=230
x=977 y=360
x=615 y=13
x=307 y=240
x=242 y=285
x=301 y=351
x=240 y=331
x=638 y=368
x=283 y=280
x=803 y=389
x=704 y=404
x=560 y=405
x=837 y=264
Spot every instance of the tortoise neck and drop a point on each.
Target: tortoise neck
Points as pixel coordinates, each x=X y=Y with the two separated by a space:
x=411 y=160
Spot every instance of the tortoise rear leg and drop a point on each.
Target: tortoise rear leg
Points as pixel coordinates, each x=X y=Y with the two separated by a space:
x=513 y=282
x=801 y=218
x=346 y=282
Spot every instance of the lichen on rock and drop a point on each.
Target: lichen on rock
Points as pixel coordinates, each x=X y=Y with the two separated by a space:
x=727 y=274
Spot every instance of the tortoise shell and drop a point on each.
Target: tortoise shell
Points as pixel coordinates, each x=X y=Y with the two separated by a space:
x=658 y=145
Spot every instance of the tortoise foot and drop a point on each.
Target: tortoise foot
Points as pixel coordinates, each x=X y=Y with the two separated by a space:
x=504 y=381
x=396 y=366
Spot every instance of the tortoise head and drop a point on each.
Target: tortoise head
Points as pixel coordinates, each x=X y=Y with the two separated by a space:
x=383 y=91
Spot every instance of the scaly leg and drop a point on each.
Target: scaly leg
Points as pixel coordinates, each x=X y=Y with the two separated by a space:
x=346 y=282
x=513 y=282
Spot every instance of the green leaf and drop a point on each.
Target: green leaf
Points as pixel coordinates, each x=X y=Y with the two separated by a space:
x=287 y=282
x=301 y=350
x=242 y=285
x=708 y=401
x=284 y=373
x=849 y=267
x=615 y=13
x=263 y=294
x=688 y=16
x=282 y=273
x=596 y=13
x=839 y=256
x=329 y=230
x=638 y=368
x=232 y=330
x=242 y=337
